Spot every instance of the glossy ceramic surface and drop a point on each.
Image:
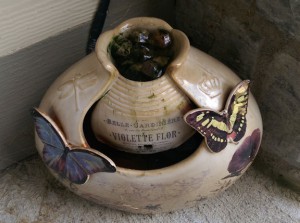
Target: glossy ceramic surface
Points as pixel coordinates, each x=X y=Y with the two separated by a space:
x=143 y=117
x=194 y=77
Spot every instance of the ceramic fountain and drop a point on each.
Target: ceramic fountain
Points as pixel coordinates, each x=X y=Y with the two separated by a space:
x=148 y=146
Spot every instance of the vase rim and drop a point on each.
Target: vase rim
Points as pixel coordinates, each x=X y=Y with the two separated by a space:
x=181 y=43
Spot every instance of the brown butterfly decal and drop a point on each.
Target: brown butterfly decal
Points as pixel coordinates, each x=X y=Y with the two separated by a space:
x=229 y=125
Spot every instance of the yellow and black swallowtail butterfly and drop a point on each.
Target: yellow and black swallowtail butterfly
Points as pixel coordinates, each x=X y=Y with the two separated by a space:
x=229 y=125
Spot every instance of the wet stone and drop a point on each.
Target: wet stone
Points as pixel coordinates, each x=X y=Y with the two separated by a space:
x=139 y=36
x=141 y=52
x=161 y=38
x=152 y=69
x=142 y=55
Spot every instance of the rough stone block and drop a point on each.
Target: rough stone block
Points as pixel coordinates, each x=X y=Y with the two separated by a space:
x=219 y=34
x=259 y=40
x=285 y=14
x=280 y=103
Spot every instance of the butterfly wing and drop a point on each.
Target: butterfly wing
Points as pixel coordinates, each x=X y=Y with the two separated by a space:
x=73 y=164
x=237 y=109
x=80 y=163
x=211 y=125
x=229 y=125
x=54 y=145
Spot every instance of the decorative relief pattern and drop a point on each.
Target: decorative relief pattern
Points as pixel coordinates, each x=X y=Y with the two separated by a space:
x=73 y=87
x=210 y=85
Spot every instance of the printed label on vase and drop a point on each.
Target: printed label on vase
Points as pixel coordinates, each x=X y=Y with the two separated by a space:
x=147 y=135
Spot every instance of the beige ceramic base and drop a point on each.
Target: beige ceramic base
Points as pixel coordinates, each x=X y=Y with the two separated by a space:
x=201 y=78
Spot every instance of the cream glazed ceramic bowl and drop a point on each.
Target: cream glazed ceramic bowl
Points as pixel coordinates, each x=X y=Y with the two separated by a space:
x=228 y=118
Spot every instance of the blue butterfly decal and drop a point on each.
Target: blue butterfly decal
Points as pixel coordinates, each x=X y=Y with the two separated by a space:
x=75 y=164
x=229 y=125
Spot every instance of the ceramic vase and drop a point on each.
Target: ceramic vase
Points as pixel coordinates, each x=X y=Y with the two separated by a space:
x=204 y=122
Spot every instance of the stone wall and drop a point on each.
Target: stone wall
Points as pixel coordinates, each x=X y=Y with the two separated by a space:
x=259 y=40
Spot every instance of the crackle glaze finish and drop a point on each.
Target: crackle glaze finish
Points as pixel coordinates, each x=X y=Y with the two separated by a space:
x=196 y=77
